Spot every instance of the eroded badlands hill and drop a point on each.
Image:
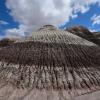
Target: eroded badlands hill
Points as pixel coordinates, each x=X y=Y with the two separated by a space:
x=50 y=65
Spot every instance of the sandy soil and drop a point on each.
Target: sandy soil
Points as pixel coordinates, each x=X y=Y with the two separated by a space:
x=7 y=92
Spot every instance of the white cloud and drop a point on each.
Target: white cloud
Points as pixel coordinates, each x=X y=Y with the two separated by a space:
x=31 y=14
x=2 y=22
x=95 y=19
x=15 y=32
x=93 y=30
x=83 y=5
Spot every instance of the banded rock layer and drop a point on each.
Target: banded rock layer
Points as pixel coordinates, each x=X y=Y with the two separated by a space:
x=49 y=65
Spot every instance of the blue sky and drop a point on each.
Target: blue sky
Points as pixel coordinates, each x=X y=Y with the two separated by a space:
x=85 y=19
x=27 y=16
x=4 y=16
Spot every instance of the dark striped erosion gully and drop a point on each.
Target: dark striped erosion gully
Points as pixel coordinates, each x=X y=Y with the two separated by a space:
x=50 y=65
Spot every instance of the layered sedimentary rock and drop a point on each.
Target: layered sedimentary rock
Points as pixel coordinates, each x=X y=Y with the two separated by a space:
x=50 y=65
x=97 y=35
x=84 y=33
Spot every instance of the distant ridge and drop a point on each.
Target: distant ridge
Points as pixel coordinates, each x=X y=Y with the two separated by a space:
x=84 y=33
x=97 y=35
